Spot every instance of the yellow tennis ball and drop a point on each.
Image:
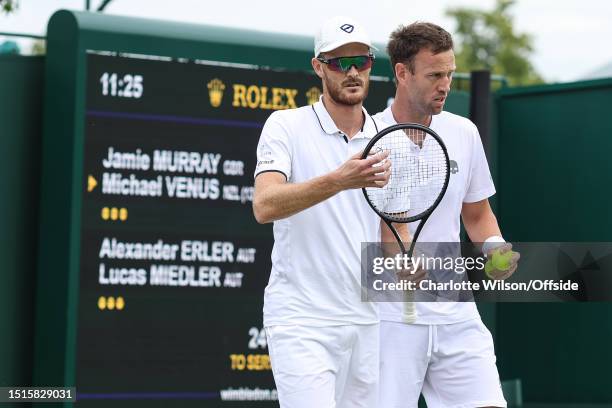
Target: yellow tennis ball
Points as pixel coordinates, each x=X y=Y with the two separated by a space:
x=501 y=262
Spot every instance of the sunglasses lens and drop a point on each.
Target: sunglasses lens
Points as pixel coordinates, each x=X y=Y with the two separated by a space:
x=344 y=64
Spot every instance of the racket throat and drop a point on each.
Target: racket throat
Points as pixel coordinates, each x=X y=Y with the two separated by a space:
x=416 y=235
x=397 y=238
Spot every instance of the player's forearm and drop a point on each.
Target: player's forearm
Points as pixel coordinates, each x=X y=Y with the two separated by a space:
x=390 y=246
x=280 y=201
x=481 y=226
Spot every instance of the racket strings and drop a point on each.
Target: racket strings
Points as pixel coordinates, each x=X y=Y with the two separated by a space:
x=418 y=174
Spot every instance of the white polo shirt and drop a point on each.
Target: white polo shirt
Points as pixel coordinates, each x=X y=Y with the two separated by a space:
x=316 y=273
x=470 y=181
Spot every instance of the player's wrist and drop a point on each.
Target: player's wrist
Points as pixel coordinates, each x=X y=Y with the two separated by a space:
x=333 y=181
x=494 y=241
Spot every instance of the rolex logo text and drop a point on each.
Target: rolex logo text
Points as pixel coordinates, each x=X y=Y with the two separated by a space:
x=262 y=97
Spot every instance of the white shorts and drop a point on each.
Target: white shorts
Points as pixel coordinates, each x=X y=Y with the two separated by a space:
x=453 y=365
x=325 y=367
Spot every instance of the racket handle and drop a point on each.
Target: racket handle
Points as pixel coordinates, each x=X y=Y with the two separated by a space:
x=409 y=313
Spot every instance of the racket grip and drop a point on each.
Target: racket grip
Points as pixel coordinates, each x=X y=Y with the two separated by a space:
x=409 y=313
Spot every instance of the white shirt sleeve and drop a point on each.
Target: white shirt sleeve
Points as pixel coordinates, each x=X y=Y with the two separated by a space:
x=274 y=149
x=480 y=184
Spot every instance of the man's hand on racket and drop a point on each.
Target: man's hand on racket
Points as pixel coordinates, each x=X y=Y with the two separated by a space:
x=502 y=261
x=412 y=275
x=373 y=171
x=391 y=249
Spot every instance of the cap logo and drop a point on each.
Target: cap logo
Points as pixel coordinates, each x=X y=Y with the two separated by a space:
x=347 y=28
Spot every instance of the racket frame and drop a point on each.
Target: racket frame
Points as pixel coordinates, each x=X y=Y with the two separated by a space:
x=424 y=215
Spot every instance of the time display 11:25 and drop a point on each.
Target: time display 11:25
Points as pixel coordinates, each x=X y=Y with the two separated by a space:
x=127 y=86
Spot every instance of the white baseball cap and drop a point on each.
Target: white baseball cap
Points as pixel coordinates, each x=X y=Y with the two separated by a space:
x=338 y=31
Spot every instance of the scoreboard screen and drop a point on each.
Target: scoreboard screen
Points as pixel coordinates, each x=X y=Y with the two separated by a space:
x=172 y=264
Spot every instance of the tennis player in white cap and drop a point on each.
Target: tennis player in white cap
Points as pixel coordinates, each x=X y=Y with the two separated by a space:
x=322 y=339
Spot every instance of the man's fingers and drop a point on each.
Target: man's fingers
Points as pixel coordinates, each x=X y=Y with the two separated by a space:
x=379 y=180
x=502 y=275
x=375 y=158
x=410 y=275
x=500 y=249
x=359 y=154
x=377 y=184
x=384 y=167
x=512 y=269
x=506 y=273
x=420 y=275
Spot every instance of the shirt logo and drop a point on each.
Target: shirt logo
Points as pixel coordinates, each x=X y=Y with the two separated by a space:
x=347 y=28
x=264 y=162
x=454 y=167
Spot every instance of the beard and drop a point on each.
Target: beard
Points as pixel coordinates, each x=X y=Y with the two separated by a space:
x=435 y=110
x=339 y=94
x=424 y=105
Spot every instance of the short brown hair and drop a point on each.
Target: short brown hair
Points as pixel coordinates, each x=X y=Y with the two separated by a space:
x=406 y=42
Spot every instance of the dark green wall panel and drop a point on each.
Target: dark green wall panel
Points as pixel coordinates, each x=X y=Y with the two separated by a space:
x=554 y=177
x=554 y=165
x=21 y=84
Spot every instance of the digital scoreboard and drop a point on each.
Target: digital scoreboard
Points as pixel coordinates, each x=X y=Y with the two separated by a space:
x=173 y=264
x=153 y=267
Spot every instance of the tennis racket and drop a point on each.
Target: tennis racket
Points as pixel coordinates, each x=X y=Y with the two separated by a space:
x=420 y=172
